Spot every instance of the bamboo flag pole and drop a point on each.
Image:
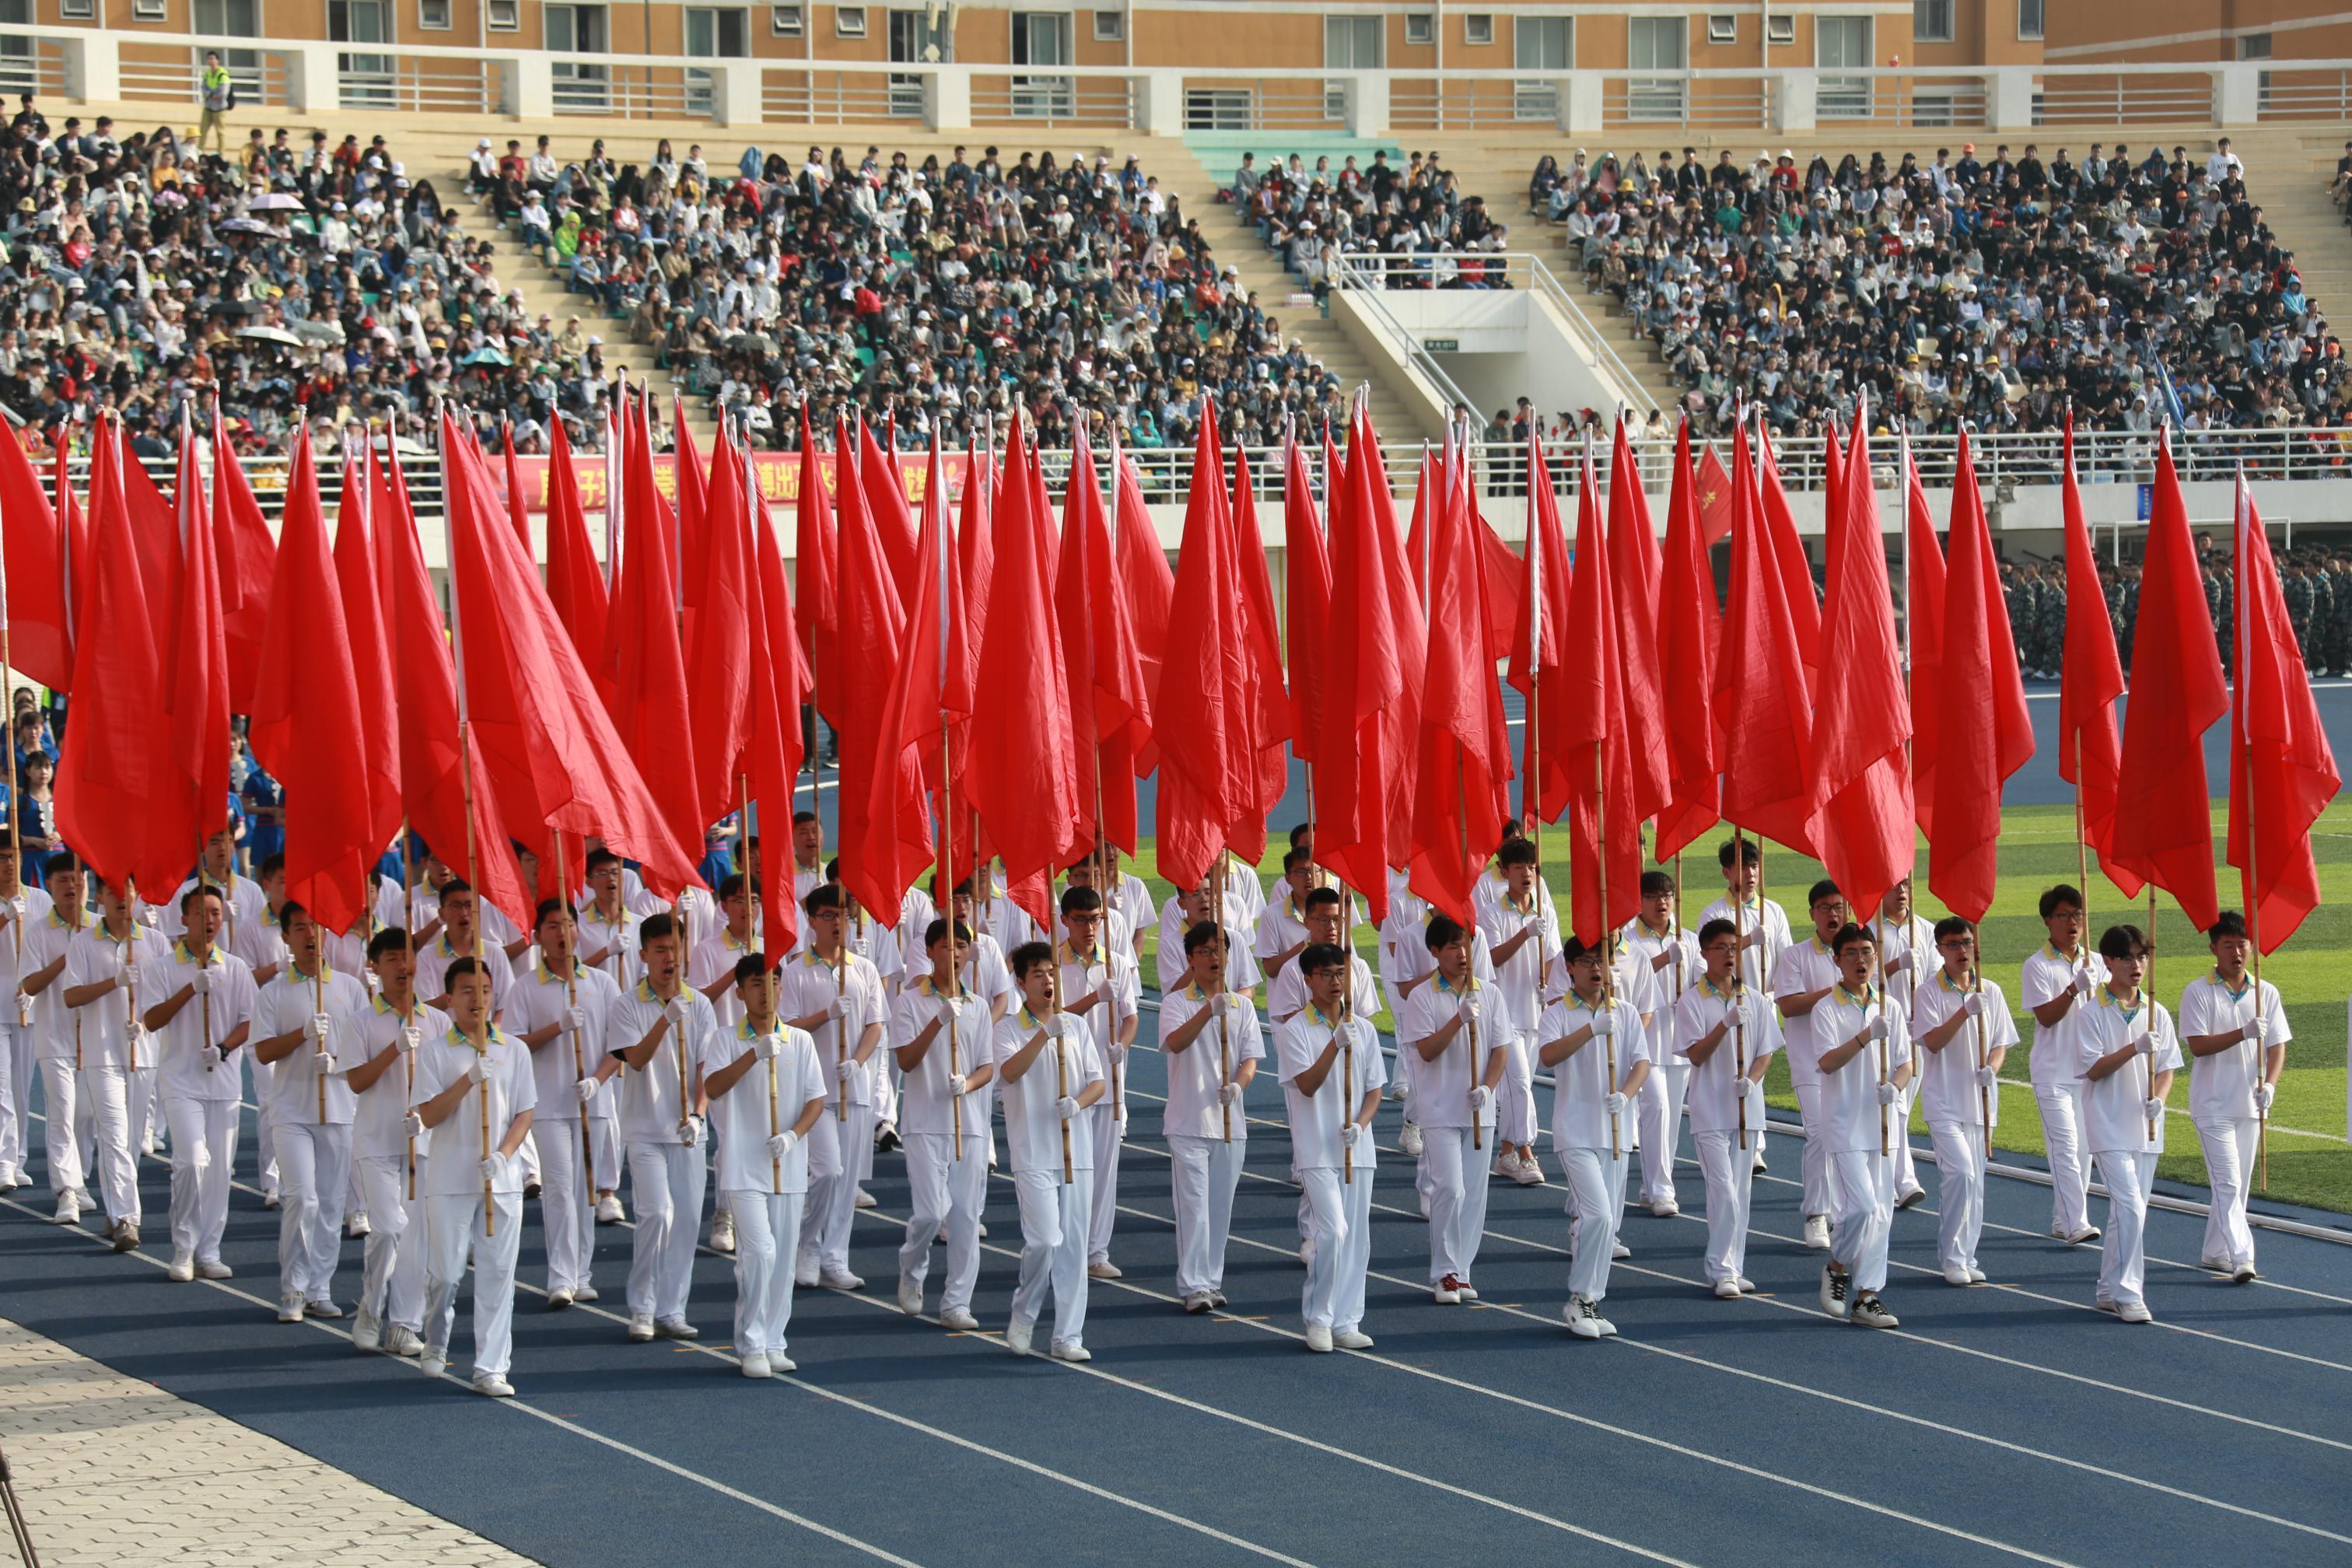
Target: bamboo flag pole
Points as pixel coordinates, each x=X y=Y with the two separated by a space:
x=408 y=940
x=1470 y=976
x=1984 y=1095
x=131 y=966
x=466 y=775
x=943 y=884
x=571 y=1001
x=1061 y=1066
x=1608 y=954
x=1738 y=978
x=2243 y=732
x=318 y=1006
x=1224 y=974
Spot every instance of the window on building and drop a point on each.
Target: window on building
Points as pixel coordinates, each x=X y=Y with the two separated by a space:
x=1419 y=28
x=1722 y=27
x=1779 y=29
x=849 y=21
x=2028 y=18
x=433 y=15
x=2255 y=45
x=1111 y=27
x=504 y=16
x=784 y=21
x=147 y=10
x=1931 y=21
x=76 y=10
x=1478 y=28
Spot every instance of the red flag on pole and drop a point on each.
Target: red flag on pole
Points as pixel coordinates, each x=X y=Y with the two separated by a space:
x=32 y=566
x=1634 y=571
x=575 y=583
x=886 y=503
x=693 y=523
x=719 y=664
x=518 y=504
x=1111 y=719
x=913 y=711
x=1209 y=783
x=1690 y=626
x=867 y=641
x=249 y=559
x=1144 y=576
x=1267 y=718
x=363 y=623
x=2090 y=755
x=2164 y=820
x=779 y=685
x=814 y=554
x=1306 y=601
x=1464 y=755
x=192 y=804
x=1713 y=498
x=156 y=526
x=649 y=714
x=1923 y=610
x=1539 y=647
x=1604 y=828
x=1984 y=731
x=975 y=561
x=1804 y=610
x=1765 y=712
x=2281 y=770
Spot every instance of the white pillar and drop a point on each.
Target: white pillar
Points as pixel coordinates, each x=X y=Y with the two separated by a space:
x=1367 y=103
x=1157 y=103
x=533 y=84
x=947 y=98
x=93 y=63
x=2009 y=99
x=1796 y=99
x=1581 y=103
x=2238 y=93
x=314 y=82
x=736 y=98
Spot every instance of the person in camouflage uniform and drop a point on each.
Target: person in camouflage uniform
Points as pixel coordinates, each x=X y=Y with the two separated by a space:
x=2297 y=592
x=2215 y=570
x=2332 y=617
x=2049 y=621
x=2128 y=613
x=2017 y=591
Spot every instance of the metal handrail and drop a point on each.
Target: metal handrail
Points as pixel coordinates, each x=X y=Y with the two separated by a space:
x=1344 y=274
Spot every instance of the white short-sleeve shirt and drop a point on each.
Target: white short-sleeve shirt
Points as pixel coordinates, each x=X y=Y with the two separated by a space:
x=1582 y=1084
x=924 y=1104
x=181 y=1057
x=2114 y=1114
x=1316 y=1119
x=106 y=1027
x=285 y=1005
x=1439 y=1095
x=2045 y=973
x=1755 y=969
x=381 y=1112
x=1803 y=966
x=1713 y=1097
x=740 y=1118
x=452 y=1165
x=2221 y=1086
x=1197 y=1073
x=1032 y=1126
x=1849 y=1115
x=541 y=997
x=808 y=985
x=655 y=1098
x=1947 y=1079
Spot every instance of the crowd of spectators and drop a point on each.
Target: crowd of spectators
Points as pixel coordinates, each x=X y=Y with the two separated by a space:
x=1990 y=291
x=1413 y=227
x=942 y=294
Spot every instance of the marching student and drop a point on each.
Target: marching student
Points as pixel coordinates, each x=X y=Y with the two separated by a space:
x=1285 y=996
x=242 y=898
x=1282 y=928
x=1121 y=936
x=1404 y=969
x=461 y=935
x=295 y=1019
x=836 y=996
x=986 y=975
x=2237 y=1049
x=200 y=1001
x=1802 y=978
x=942 y=1038
x=65 y=1113
x=117 y=1059
x=1188 y=908
x=261 y=942
x=2056 y=984
x=1330 y=1060
x=1464 y=1049
x=767 y=1092
x=20 y=909
x=710 y=969
x=1124 y=893
x=2127 y=1052
x=1862 y=1055
x=1727 y=1033
x=808 y=854
x=658 y=1032
x=608 y=928
x=1521 y=931
x=1961 y=1024
x=1101 y=994
x=377 y=1053
x=1053 y=1075
x=473 y=1075
x=1764 y=931
x=1582 y=1034
x=1211 y=1038
x=561 y=1011
x=1669 y=953
x=1907 y=957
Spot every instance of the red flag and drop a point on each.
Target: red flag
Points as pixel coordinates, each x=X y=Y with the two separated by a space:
x=868 y=641
x=779 y=686
x=693 y=521
x=1634 y=581
x=1110 y=716
x=111 y=773
x=719 y=664
x=249 y=559
x=886 y=503
x=518 y=504
x=1789 y=559
x=363 y=623
x=2164 y=820
x=975 y=559
x=913 y=713
x=307 y=726
x=1767 y=714
x=1024 y=772
x=1306 y=602
x=1209 y=782
x=1714 y=499
x=155 y=528
x=33 y=567
x=1144 y=576
x=1604 y=837
x=574 y=582
x=1464 y=753
x=1984 y=731
x=1539 y=647
x=813 y=555
x=1923 y=610
x=2281 y=770
x=192 y=804
x=433 y=784
x=650 y=712
x=1690 y=627
x=76 y=532
x=2090 y=757
x=1499 y=571
x=551 y=752
x=1267 y=715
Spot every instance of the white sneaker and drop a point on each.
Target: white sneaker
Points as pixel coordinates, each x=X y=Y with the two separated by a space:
x=1747 y=1286
x=1834 y=1287
x=1351 y=1339
x=69 y=1211
x=1976 y=1275
x=1462 y=1286
x=780 y=1363
x=289 y=1307
x=983 y=1230
x=1527 y=1174
x=269 y=1198
x=1957 y=1277
x=403 y=1341
x=1070 y=1350
x=147 y=1145
x=1619 y=1251
x=1319 y=1338
x=1817 y=1232
x=8 y=1182
x=959 y=1318
x=432 y=1365
x=126 y=1236
x=1665 y=1208
x=559 y=1300
x=182 y=1268
x=1728 y=1290
x=1197 y=1303
x=839 y=1279
x=2104 y=1304
x=756 y=1366
x=2244 y=1274
x=2089 y=1233
x=367 y=1334
x=357 y=1227
x=1409 y=1140
x=213 y=1268
x=1583 y=1319
x=1870 y=1312
x=2134 y=1312
x=804 y=1273
x=722 y=1231
x=585 y=1293
x=1017 y=1335
x=910 y=1298
x=1756 y=1165
x=864 y=1199
x=1216 y=1297
x=321 y=1307
x=1909 y=1195
x=641 y=1328
x=675 y=1329
x=490 y=1385
x=608 y=1209
x=1104 y=1268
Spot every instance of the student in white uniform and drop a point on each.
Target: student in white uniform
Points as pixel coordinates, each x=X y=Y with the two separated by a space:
x=1101 y=994
x=766 y=1092
x=2057 y=984
x=1802 y=978
x=377 y=1053
x=100 y=990
x=1463 y=1045
x=1961 y=1024
x=869 y=939
x=561 y=1011
x=1116 y=933
x=1286 y=994
x=808 y=854
x=1002 y=918
x=943 y=1039
x=261 y=942
x=1906 y=955
x=835 y=997
x=1211 y=1038
x=986 y=975
x=21 y=907
x=2127 y=1051
x=2237 y=1047
x=1332 y=1072
x=1404 y=968
x=461 y=933
x=242 y=899
x=1124 y=894
x=1863 y=1054
x=710 y=969
x=1669 y=953
x=1052 y=1076
x=1521 y=932
x=64 y=1117
x=1764 y=932
x=655 y=1038
x=475 y=1074
x=1186 y=910
x=295 y=1019
x=608 y=927
x=1598 y=1056
x=1282 y=928
x=200 y=1000
x=1727 y=1031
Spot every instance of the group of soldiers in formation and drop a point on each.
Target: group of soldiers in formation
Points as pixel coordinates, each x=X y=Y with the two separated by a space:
x=419 y=1076
x=2317 y=582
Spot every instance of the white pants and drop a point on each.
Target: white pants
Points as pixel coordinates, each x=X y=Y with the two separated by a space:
x=1866 y=1214
x=1820 y=1169
x=833 y=1146
x=2232 y=1145
x=1959 y=1192
x=670 y=1179
x=944 y=1189
x=204 y=1147
x=767 y=1238
x=453 y=1228
x=62 y=1113
x=604 y=1145
x=1055 y=1216
x=2123 y=1250
x=567 y=1208
x=1659 y=1108
x=2062 y=1135
x=1906 y=1173
x=1731 y=1175
x=1206 y=1174
x=1515 y=1102
x=146 y=1105
x=314 y=1164
x=15 y=1090
x=265 y=1136
x=107 y=1090
x=1340 y=1217
x=1596 y=1198
x=392 y=1277
x=1100 y=1122
x=1457 y=1200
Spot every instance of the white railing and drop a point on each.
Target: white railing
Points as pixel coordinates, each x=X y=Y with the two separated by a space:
x=1367 y=284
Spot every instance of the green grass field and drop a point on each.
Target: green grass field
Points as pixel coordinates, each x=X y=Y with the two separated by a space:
x=2310 y=1161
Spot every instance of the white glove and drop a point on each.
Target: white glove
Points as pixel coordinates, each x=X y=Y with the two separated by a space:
x=2154 y=1109
x=138 y=1035
x=1480 y=1096
x=212 y=1058
x=958 y=1085
x=767 y=1047
x=575 y=1018
x=586 y=1090
x=129 y=968
x=1102 y=990
x=2263 y=1094
x=1231 y=1094
x=412 y=1124
x=1972 y=1005
x=1988 y=1080
x=493 y=1166
x=783 y=1143
x=1616 y=1104
x=835 y=1011
x=319 y=1025
x=675 y=1010
x=2145 y=1045
x=1875 y=1029
x=1603 y=1026
x=1898 y=964
x=2255 y=1030
x=410 y=1038
x=201 y=982
x=2083 y=981
x=689 y=1131
x=17 y=907
x=1734 y=1009
x=1755 y=937
x=478 y=1071
x=1066 y=1107
x=845 y=1071
x=1756 y=1109
x=1888 y=1094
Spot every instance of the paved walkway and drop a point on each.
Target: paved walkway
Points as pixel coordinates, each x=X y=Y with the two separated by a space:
x=116 y=1473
